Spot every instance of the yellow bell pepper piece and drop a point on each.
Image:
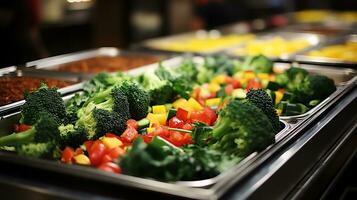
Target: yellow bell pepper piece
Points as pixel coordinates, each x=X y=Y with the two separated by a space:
x=214 y=87
x=179 y=102
x=152 y=118
x=194 y=104
x=161 y=118
x=278 y=96
x=213 y=102
x=149 y=130
x=263 y=76
x=159 y=109
x=249 y=75
x=81 y=159
x=219 y=79
x=111 y=142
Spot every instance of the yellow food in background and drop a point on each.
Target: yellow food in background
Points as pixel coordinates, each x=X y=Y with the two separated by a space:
x=343 y=52
x=311 y=16
x=275 y=47
x=204 y=44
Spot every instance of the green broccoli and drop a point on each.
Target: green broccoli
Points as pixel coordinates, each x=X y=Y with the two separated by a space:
x=72 y=107
x=45 y=130
x=97 y=122
x=47 y=150
x=161 y=160
x=43 y=100
x=263 y=101
x=314 y=87
x=292 y=78
x=241 y=129
x=188 y=69
x=138 y=98
x=160 y=91
x=259 y=64
x=102 y=81
x=72 y=136
x=180 y=84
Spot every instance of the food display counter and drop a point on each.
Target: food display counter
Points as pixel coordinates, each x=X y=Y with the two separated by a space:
x=311 y=145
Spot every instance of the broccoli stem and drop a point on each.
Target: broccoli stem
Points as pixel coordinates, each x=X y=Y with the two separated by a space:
x=221 y=128
x=18 y=138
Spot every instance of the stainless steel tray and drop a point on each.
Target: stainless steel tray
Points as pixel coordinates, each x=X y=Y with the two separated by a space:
x=12 y=107
x=54 y=62
x=304 y=58
x=341 y=77
x=322 y=29
x=202 y=189
x=313 y=40
x=156 y=43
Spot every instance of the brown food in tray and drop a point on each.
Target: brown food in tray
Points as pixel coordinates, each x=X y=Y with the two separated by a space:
x=12 y=88
x=108 y=64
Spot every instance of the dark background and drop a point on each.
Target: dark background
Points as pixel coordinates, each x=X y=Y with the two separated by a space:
x=33 y=29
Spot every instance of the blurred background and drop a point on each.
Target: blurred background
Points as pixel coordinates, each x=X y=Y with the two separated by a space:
x=33 y=29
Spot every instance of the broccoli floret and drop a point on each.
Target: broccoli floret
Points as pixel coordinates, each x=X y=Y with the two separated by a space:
x=241 y=129
x=138 y=98
x=46 y=150
x=72 y=107
x=104 y=80
x=262 y=100
x=160 y=90
x=45 y=130
x=188 y=69
x=97 y=122
x=259 y=64
x=314 y=87
x=295 y=76
x=72 y=136
x=43 y=100
x=180 y=84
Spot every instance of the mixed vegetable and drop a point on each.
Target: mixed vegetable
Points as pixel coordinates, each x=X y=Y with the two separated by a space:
x=188 y=123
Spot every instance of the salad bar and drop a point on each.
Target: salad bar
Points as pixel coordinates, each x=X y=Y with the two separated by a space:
x=248 y=116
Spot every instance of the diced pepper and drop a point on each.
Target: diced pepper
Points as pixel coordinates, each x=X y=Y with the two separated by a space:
x=149 y=130
x=159 y=109
x=162 y=118
x=111 y=142
x=213 y=102
x=179 y=102
x=182 y=114
x=214 y=87
x=67 y=155
x=219 y=79
x=249 y=75
x=194 y=104
x=130 y=134
x=263 y=76
x=279 y=111
x=81 y=159
x=278 y=97
x=152 y=118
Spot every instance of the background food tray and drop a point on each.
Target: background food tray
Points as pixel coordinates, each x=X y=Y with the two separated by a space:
x=312 y=39
x=304 y=58
x=88 y=63
x=75 y=84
